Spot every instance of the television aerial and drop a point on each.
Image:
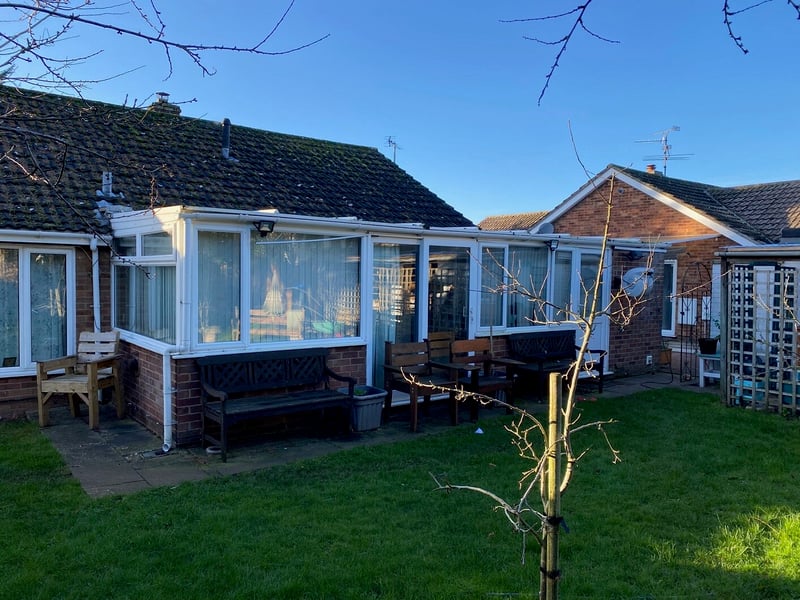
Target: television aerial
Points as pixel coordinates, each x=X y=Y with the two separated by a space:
x=391 y=142
x=666 y=148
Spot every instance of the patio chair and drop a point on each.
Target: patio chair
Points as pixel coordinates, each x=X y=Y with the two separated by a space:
x=477 y=370
x=82 y=376
x=408 y=368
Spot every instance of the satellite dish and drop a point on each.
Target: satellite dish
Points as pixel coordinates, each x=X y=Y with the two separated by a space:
x=637 y=282
x=546 y=227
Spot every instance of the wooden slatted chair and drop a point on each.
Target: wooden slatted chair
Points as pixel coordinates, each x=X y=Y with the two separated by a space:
x=82 y=376
x=408 y=368
x=477 y=370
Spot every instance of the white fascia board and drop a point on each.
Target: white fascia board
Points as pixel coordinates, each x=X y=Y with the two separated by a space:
x=14 y=236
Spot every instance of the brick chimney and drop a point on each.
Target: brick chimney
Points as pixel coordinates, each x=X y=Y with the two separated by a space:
x=651 y=169
x=163 y=105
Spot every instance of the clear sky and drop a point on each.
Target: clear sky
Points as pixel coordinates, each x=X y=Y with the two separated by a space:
x=457 y=88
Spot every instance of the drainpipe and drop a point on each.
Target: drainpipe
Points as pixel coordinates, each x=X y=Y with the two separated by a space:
x=95 y=284
x=168 y=391
x=181 y=329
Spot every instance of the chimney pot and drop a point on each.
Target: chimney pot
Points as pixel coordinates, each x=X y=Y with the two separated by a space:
x=651 y=169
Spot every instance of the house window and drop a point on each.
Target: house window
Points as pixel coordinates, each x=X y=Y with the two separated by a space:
x=304 y=286
x=669 y=311
x=36 y=287
x=144 y=285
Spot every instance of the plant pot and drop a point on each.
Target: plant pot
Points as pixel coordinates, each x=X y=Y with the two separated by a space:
x=707 y=345
x=367 y=408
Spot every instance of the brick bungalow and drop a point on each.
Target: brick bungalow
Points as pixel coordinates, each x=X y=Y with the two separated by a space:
x=195 y=237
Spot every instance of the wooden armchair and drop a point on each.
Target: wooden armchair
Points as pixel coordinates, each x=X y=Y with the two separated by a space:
x=82 y=376
x=477 y=370
x=408 y=368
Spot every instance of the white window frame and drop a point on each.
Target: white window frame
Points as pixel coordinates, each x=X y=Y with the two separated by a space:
x=26 y=364
x=671 y=289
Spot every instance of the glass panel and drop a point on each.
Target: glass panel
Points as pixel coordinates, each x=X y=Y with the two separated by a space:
x=125 y=246
x=668 y=311
x=48 y=293
x=145 y=301
x=394 y=299
x=492 y=286
x=304 y=287
x=219 y=284
x=157 y=244
x=528 y=269
x=562 y=285
x=9 y=307
x=448 y=291
x=588 y=278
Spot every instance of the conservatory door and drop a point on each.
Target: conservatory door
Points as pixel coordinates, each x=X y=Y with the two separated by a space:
x=394 y=299
x=448 y=290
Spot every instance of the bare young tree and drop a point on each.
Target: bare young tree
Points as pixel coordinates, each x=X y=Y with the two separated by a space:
x=576 y=20
x=33 y=44
x=548 y=447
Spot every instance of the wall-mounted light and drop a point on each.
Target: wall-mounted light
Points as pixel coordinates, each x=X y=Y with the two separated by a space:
x=552 y=244
x=264 y=227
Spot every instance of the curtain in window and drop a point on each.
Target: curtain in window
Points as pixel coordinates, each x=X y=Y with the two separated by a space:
x=528 y=268
x=219 y=284
x=304 y=287
x=48 y=292
x=492 y=286
x=589 y=265
x=9 y=307
x=145 y=301
x=562 y=285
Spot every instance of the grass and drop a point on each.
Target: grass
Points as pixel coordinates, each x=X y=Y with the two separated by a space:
x=704 y=505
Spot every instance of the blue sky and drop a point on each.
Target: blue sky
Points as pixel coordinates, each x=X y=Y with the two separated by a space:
x=457 y=89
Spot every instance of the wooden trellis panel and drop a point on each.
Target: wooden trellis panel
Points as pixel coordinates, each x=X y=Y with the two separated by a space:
x=763 y=337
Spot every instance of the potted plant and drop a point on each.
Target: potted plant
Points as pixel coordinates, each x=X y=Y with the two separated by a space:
x=367 y=407
x=708 y=345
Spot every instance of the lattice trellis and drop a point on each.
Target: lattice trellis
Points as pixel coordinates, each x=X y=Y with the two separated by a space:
x=763 y=337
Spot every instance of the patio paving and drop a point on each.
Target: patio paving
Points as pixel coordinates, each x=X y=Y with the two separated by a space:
x=122 y=457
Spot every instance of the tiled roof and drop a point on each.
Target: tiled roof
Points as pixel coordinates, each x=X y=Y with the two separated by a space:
x=760 y=211
x=509 y=222
x=161 y=159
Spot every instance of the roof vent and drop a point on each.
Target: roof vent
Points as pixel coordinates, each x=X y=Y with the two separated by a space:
x=108 y=181
x=226 y=140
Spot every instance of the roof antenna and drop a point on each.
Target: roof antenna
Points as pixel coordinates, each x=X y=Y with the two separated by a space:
x=666 y=147
x=392 y=143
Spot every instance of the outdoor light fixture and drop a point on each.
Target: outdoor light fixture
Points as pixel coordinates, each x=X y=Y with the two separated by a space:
x=264 y=227
x=552 y=244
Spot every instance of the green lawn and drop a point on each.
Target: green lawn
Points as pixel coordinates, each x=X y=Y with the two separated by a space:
x=706 y=504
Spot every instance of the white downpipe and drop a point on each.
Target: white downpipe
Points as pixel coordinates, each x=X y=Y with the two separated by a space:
x=180 y=334
x=95 y=284
x=168 y=391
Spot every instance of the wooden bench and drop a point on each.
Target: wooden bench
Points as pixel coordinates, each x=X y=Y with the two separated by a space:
x=408 y=368
x=81 y=376
x=553 y=351
x=241 y=387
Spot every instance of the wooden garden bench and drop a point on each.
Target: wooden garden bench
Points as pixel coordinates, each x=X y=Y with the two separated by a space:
x=553 y=351
x=241 y=387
